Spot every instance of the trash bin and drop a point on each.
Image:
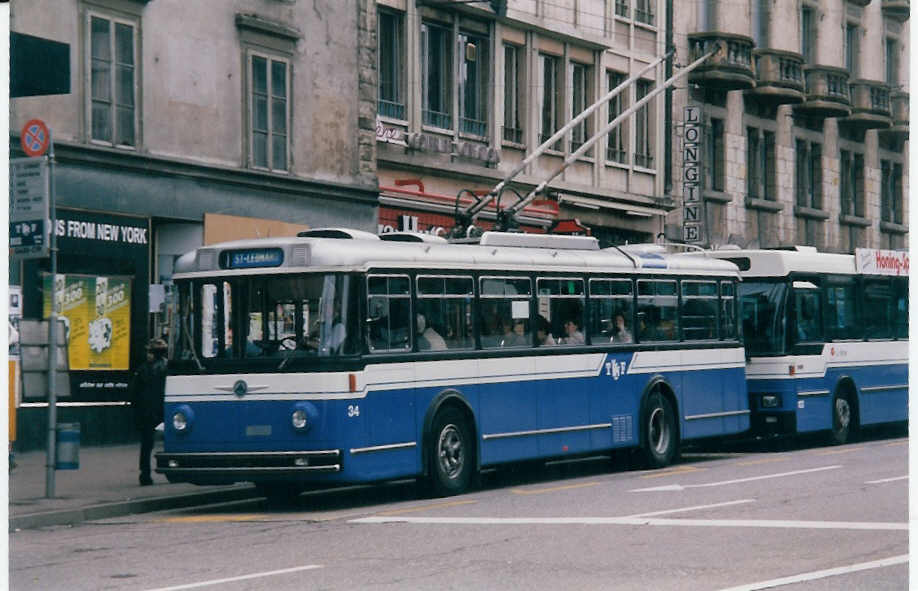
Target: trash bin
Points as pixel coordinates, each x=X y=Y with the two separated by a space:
x=67 y=451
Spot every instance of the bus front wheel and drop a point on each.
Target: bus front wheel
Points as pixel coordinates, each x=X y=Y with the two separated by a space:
x=451 y=454
x=660 y=438
x=841 y=420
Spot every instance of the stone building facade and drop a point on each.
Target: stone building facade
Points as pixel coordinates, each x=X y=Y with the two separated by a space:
x=805 y=121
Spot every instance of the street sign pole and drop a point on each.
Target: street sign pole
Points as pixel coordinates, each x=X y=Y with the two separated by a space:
x=52 y=331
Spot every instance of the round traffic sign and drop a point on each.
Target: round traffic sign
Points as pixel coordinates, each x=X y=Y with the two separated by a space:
x=35 y=137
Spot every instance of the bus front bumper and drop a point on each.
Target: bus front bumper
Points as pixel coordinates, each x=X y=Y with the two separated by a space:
x=229 y=467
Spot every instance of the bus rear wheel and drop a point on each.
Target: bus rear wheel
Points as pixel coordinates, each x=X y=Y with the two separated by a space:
x=452 y=457
x=660 y=438
x=841 y=420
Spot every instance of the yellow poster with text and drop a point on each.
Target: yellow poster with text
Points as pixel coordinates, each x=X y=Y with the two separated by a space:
x=97 y=316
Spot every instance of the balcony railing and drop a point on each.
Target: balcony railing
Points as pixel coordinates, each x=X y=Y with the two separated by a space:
x=869 y=105
x=512 y=134
x=473 y=126
x=779 y=76
x=729 y=69
x=437 y=119
x=896 y=9
x=825 y=92
x=391 y=109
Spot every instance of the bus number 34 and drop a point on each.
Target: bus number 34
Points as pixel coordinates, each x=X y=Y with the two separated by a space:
x=616 y=369
x=353 y=410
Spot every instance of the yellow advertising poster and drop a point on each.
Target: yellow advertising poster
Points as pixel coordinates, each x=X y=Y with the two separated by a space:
x=97 y=313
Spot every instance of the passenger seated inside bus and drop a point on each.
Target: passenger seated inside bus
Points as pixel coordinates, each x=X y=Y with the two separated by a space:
x=543 y=332
x=620 y=332
x=572 y=333
x=518 y=335
x=428 y=338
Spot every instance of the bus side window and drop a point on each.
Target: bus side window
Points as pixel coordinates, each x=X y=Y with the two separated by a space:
x=388 y=313
x=900 y=285
x=727 y=310
x=445 y=304
x=699 y=310
x=806 y=304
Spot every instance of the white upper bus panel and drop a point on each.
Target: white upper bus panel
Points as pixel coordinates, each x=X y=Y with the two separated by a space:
x=780 y=263
x=340 y=253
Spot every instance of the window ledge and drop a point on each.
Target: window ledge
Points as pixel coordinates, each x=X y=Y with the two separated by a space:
x=258 y=24
x=717 y=196
x=853 y=220
x=810 y=213
x=763 y=205
x=616 y=164
x=893 y=228
x=514 y=145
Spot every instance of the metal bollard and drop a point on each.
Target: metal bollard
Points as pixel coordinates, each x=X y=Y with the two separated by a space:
x=67 y=456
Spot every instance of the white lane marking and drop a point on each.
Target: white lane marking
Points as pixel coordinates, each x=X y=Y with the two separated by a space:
x=822 y=574
x=883 y=480
x=759 y=523
x=678 y=487
x=269 y=573
x=695 y=508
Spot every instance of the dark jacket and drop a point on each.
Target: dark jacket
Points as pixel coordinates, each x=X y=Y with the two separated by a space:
x=148 y=391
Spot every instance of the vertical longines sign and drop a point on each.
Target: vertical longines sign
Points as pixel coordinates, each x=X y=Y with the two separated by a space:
x=692 y=204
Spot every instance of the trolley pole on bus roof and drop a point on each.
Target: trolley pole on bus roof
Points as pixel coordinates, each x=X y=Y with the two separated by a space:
x=465 y=219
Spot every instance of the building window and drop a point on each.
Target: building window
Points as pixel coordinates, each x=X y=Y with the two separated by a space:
x=550 y=97
x=580 y=93
x=851 y=190
x=473 y=84
x=760 y=160
x=892 y=62
x=269 y=98
x=715 y=155
x=621 y=8
x=807 y=34
x=513 y=93
x=616 y=144
x=643 y=11
x=809 y=174
x=391 y=77
x=891 y=191
x=644 y=127
x=436 y=78
x=852 y=32
x=112 y=56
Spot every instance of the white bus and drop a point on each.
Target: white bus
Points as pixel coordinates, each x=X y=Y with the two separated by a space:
x=826 y=338
x=340 y=356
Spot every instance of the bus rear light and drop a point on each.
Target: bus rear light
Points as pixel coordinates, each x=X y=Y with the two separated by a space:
x=790 y=370
x=352 y=382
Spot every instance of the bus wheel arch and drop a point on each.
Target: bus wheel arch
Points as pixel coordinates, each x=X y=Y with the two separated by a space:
x=449 y=448
x=845 y=411
x=659 y=424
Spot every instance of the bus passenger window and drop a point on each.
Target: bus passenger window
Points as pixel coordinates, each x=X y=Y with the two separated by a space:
x=446 y=306
x=658 y=307
x=505 y=312
x=561 y=301
x=388 y=313
x=699 y=310
x=806 y=304
x=611 y=311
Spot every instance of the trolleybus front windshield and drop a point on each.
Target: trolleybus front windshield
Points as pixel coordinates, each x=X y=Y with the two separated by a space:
x=762 y=308
x=267 y=317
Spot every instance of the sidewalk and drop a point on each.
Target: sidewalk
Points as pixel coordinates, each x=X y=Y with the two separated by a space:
x=105 y=485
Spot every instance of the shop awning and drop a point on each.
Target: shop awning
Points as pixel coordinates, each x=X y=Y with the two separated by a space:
x=639 y=211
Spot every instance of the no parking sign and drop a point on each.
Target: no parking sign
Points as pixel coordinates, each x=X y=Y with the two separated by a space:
x=35 y=137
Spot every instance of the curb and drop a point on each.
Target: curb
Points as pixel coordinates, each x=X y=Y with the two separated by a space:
x=129 y=507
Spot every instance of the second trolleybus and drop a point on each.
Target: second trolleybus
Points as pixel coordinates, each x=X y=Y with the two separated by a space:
x=337 y=356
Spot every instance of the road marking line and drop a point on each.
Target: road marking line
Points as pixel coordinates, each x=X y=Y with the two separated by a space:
x=434 y=506
x=208 y=518
x=761 y=461
x=752 y=523
x=822 y=574
x=679 y=470
x=521 y=491
x=835 y=452
x=883 y=480
x=679 y=487
x=269 y=573
x=695 y=508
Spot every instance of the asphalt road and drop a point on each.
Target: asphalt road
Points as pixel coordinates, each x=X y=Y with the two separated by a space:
x=808 y=517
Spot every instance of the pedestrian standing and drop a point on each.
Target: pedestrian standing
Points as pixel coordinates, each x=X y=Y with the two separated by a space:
x=148 y=392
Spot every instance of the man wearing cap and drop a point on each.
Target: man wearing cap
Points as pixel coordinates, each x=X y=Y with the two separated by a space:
x=148 y=391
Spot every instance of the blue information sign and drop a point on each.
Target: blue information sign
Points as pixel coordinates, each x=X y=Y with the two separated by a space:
x=252 y=257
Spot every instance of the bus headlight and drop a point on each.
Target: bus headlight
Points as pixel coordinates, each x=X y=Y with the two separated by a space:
x=299 y=419
x=303 y=416
x=182 y=419
x=771 y=400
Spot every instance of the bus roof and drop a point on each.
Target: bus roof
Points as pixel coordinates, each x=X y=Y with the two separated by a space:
x=780 y=263
x=364 y=251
